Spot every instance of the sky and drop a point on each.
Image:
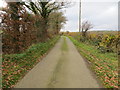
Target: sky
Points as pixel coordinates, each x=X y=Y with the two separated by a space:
x=102 y=14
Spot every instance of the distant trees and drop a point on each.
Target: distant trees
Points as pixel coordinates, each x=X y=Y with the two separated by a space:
x=56 y=22
x=21 y=28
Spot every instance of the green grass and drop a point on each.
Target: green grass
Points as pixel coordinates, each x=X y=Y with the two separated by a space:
x=56 y=72
x=64 y=48
x=105 y=65
x=64 y=45
x=15 y=66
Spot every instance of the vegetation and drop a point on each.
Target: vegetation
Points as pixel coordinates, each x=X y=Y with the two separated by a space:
x=64 y=45
x=29 y=29
x=22 y=28
x=15 y=66
x=56 y=22
x=105 y=42
x=44 y=8
x=103 y=61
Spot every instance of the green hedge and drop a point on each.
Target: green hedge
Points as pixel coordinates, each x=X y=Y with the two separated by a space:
x=104 y=65
x=15 y=66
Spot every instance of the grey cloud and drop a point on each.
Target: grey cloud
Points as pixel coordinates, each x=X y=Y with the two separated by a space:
x=103 y=15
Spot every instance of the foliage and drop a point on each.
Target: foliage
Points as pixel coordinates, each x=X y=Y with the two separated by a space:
x=56 y=22
x=18 y=33
x=22 y=29
x=44 y=8
x=105 y=41
x=104 y=65
x=109 y=43
x=15 y=66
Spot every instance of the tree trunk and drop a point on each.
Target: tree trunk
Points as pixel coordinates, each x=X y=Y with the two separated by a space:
x=45 y=28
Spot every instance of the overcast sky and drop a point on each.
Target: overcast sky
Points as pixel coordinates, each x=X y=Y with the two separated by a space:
x=103 y=14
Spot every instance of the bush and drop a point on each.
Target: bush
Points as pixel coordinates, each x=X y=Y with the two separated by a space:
x=104 y=64
x=104 y=42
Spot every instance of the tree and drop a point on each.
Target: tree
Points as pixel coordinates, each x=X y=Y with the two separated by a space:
x=13 y=13
x=17 y=27
x=56 y=21
x=44 y=8
x=85 y=27
x=20 y=27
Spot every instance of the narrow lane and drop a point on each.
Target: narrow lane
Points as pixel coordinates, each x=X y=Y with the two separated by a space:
x=63 y=67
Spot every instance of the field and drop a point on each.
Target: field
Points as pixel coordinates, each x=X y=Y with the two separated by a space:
x=94 y=32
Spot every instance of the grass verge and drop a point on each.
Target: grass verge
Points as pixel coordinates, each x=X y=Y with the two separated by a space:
x=104 y=65
x=15 y=66
x=64 y=44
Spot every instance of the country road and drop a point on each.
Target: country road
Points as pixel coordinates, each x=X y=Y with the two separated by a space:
x=63 y=67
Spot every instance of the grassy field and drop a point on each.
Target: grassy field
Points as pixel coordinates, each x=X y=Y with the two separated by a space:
x=94 y=32
x=103 y=32
x=15 y=66
x=105 y=65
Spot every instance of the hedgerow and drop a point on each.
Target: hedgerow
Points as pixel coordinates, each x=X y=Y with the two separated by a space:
x=105 y=65
x=15 y=66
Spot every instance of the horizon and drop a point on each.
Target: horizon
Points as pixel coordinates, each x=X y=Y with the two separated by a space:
x=95 y=31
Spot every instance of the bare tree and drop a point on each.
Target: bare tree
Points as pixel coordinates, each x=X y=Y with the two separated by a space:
x=85 y=27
